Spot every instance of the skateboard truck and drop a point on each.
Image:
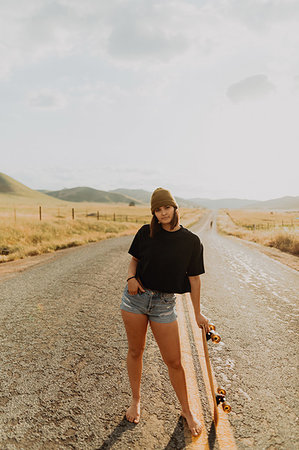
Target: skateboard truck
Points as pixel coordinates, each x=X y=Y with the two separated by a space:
x=220 y=398
x=211 y=334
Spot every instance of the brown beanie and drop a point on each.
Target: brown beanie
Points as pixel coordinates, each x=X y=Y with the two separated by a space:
x=162 y=197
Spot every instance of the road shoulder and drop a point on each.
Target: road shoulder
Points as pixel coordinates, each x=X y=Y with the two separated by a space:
x=11 y=268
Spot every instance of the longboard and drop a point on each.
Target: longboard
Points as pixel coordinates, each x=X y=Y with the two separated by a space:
x=219 y=395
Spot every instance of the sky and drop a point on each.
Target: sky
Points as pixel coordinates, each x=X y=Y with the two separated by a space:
x=198 y=96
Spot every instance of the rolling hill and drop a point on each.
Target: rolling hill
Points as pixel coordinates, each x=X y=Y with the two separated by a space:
x=222 y=203
x=289 y=203
x=145 y=197
x=283 y=203
x=139 y=194
x=87 y=194
x=229 y=203
x=12 y=191
x=12 y=187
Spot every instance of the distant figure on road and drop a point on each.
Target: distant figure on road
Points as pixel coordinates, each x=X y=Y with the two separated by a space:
x=211 y=223
x=166 y=259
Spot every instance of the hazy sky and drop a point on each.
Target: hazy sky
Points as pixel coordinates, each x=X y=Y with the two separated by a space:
x=200 y=96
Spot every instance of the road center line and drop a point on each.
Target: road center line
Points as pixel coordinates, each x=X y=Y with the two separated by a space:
x=200 y=442
x=223 y=430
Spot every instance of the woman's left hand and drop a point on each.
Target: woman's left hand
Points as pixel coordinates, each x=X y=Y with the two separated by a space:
x=202 y=322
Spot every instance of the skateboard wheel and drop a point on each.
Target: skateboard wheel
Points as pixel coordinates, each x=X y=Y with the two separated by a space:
x=211 y=327
x=226 y=407
x=221 y=391
x=215 y=337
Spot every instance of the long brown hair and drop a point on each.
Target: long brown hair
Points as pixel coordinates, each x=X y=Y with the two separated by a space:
x=155 y=226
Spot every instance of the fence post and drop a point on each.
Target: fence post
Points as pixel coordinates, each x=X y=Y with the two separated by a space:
x=98 y=215
x=40 y=213
x=73 y=213
x=114 y=217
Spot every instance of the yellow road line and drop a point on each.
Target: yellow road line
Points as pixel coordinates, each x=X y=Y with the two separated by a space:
x=223 y=430
x=200 y=442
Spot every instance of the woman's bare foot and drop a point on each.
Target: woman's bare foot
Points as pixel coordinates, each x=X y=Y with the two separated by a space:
x=194 y=424
x=133 y=413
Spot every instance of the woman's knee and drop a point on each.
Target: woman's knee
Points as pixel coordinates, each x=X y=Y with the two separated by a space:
x=136 y=352
x=174 y=363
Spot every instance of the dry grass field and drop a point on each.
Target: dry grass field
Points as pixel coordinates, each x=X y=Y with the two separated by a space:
x=23 y=233
x=279 y=229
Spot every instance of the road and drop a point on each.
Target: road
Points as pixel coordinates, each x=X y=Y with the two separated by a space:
x=63 y=350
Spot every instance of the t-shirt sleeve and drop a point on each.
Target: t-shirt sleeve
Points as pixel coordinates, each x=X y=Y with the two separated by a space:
x=135 y=248
x=196 y=265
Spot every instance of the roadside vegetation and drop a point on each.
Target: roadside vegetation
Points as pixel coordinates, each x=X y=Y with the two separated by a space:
x=276 y=229
x=27 y=230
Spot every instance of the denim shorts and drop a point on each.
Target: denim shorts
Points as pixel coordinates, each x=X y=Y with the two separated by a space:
x=158 y=306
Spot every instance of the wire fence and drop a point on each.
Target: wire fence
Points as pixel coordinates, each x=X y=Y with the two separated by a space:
x=287 y=225
x=41 y=213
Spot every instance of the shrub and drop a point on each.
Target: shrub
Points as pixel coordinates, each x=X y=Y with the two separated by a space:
x=285 y=242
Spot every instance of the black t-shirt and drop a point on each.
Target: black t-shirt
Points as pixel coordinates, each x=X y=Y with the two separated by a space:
x=166 y=260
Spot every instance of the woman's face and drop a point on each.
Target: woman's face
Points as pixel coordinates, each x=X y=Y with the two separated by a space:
x=164 y=214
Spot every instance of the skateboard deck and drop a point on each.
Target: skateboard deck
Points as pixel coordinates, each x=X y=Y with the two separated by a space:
x=219 y=395
x=210 y=376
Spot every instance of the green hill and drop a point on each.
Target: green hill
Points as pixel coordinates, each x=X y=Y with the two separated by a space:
x=139 y=194
x=220 y=203
x=145 y=197
x=12 y=187
x=284 y=203
x=12 y=191
x=86 y=194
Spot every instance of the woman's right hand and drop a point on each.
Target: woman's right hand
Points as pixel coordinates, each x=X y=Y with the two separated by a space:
x=134 y=286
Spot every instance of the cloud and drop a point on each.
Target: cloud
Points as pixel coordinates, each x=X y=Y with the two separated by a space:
x=133 y=42
x=259 y=14
x=121 y=29
x=250 y=88
x=47 y=99
x=135 y=32
x=139 y=32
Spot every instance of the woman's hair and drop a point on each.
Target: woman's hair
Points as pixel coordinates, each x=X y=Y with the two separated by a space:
x=155 y=227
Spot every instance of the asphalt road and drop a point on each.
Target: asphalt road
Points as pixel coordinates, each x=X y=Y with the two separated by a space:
x=63 y=381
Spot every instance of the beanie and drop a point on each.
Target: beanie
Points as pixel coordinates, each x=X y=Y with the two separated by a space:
x=162 y=197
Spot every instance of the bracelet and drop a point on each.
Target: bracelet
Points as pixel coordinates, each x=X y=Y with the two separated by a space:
x=131 y=278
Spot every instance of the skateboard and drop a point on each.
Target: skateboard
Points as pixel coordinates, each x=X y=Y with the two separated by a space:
x=219 y=394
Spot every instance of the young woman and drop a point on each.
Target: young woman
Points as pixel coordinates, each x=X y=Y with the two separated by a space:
x=166 y=259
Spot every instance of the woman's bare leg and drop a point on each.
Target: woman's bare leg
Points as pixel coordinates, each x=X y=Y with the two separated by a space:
x=167 y=337
x=136 y=327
